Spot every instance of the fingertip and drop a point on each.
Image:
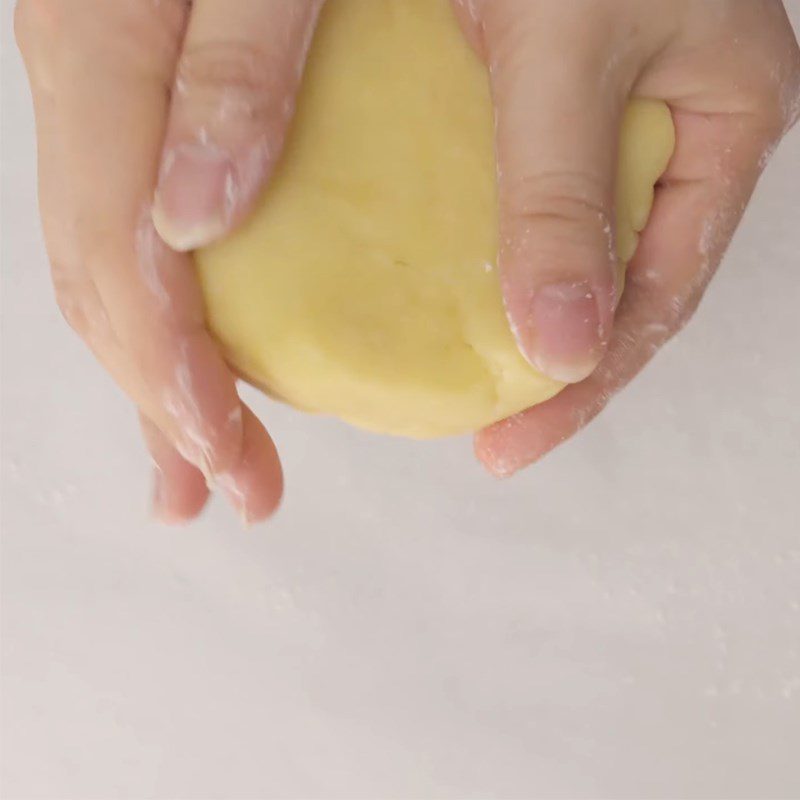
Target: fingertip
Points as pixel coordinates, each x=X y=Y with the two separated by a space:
x=254 y=486
x=179 y=494
x=179 y=490
x=491 y=447
x=513 y=444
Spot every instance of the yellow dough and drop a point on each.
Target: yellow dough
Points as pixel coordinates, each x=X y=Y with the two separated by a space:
x=364 y=286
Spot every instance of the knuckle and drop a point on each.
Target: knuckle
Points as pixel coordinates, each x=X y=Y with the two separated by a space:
x=72 y=305
x=568 y=211
x=790 y=100
x=245 y=72
x=779 y=96
x=683 y=308
x=570 y=198
x=31 y=16
x=786 y=75
x=79 y=306
x=161 y=25
x=141 y=37
x=778 y=114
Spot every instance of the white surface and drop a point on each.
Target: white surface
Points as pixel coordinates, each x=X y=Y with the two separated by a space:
x=621 y=621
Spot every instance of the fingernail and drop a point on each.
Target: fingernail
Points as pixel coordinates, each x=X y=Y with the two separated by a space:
x=193 y=201
x=565 y=338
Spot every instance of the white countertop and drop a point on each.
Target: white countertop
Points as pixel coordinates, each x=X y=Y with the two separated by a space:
x=622 y=620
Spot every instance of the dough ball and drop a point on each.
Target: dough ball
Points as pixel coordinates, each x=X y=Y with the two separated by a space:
x=365 y=285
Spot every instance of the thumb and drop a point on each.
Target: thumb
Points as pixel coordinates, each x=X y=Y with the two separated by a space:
x=232 y=101
x=558 y=120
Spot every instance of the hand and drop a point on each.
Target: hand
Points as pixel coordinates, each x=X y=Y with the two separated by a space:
x=561 y=74
x=162 y=115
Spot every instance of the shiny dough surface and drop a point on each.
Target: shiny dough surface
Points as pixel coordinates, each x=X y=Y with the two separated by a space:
x=365 y=285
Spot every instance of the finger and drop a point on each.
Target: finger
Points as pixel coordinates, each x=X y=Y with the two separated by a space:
x=469 y=16
x=556 y=181
x=150 y=294
x=696 y=212
x=179 y=489
x=36 y=27
x=515 y=443
x=232 y=101
x=255 y=485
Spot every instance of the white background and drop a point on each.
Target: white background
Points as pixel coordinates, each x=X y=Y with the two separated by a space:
x=623 y=620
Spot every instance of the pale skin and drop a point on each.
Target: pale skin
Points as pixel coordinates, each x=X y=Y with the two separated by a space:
x=159 y=122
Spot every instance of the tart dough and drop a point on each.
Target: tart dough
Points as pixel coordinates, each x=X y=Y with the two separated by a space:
x=364 y=286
